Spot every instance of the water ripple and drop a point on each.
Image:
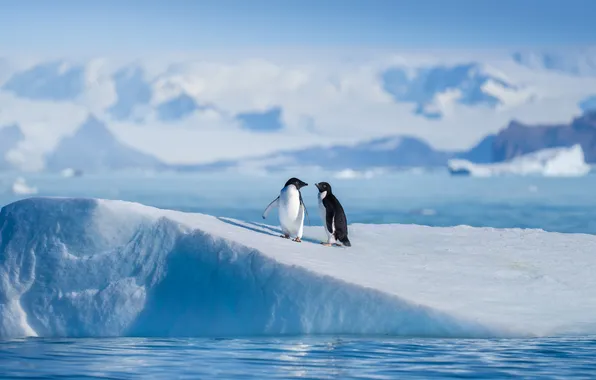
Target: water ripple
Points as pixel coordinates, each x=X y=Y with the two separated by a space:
x=320 y=358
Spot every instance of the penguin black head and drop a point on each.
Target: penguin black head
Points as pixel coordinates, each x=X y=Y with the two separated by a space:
x=296 y=182
x=323 y=186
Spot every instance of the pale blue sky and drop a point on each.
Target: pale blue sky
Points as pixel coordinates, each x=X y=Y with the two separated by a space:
x=185 y=25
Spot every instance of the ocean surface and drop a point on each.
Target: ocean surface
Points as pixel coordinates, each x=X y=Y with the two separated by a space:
x=305 y=358
x=434 y=199
x=566 y=205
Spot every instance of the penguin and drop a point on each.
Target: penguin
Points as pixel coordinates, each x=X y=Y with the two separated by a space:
x=333 y=216
x=291 y=209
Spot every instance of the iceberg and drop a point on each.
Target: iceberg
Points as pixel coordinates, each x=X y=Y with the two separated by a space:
x=551 y=162
x=72 y=267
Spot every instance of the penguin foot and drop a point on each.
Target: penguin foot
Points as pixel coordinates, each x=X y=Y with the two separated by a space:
x=297 y=240
x=329 y=244
x=285 y=236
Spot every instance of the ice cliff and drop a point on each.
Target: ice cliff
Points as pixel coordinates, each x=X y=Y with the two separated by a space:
x=86 y=267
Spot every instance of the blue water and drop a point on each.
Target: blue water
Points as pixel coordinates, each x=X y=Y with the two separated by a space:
x=310 y=358
x=559 y=205
x=553 y=204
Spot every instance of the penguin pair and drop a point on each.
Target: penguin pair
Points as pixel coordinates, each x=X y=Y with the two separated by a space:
x=292 y=210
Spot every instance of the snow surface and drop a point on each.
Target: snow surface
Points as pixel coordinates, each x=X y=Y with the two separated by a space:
x=86 y=267
x=552 y=162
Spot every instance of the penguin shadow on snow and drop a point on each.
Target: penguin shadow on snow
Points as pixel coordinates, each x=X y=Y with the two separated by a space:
x=263 y=229
x=248 y=227
x=277 y=231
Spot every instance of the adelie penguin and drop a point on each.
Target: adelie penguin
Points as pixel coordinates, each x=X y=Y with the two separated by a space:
x=291 y=209
x=333 y=215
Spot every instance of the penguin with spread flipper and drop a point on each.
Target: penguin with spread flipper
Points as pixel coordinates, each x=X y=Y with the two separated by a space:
x=291 y=209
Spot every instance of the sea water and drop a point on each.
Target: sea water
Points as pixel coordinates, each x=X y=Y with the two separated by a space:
x=434 y=199
x=566 y=205
x=308 y=357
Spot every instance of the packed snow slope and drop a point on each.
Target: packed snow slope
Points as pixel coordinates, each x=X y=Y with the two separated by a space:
x=87 y=267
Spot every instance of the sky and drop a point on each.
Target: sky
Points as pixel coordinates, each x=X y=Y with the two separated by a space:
x=299 y=73
x=178 y=25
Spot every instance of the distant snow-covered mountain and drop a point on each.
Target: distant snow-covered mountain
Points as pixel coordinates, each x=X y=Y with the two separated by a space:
x=384 y=153
x=401 y=151
x=195 y=109
x=481 y=153
x=94 y=148
x=406 y=152
x=519 y=139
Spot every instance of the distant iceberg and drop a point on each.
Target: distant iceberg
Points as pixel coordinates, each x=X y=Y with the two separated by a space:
x=553 y=162
x=86 y=267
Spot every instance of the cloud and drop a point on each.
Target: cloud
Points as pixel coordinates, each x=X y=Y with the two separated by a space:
x=43 y=123
x=437 y=86
x=6 y=70
x=209 y=142
x=131 y=89
x=574 y=61
x=203 y=109
x=99 y=91
x=26 y=156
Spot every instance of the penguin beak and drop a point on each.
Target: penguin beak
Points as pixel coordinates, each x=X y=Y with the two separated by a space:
x=317 y=186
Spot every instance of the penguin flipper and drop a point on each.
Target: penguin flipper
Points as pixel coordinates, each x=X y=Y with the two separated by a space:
x=305 y=210
x=329 y=216
x=274 y=203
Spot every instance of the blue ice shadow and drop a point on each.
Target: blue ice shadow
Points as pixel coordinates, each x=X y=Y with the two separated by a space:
x=263 y=229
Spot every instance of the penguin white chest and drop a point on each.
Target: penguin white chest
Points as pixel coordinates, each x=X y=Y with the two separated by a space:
x=323 y=213
x=291 y=216
x=322 y=210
